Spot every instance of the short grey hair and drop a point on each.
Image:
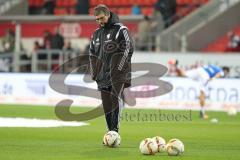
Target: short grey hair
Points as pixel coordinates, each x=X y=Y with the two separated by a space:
x=101 y=8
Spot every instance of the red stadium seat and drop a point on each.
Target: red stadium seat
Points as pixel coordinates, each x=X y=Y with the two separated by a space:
x=115 y=3
x=144 y=2
x=60 y=11
x=41 y=2
x=124 y=2
x=36 y=3
x=204 y=1
x=128 y=11
x=91 y=11
x=181 y=2
x=109 y=3
x=131 y=2
x=183 y=11
x=150 y=2
x=73 y=3
x=114 y=10
x=30 y=3
x=154 y=1
x=94 y=2
x=124 y=11
x=65 y=3
x=59 y=3
x=101 y=2
x=147 y=11
x=72 y=11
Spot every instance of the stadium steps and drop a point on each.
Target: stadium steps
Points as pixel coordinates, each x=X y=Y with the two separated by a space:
x=220 y=44
x=206 y=33
x=191 y=33
x=13 y=7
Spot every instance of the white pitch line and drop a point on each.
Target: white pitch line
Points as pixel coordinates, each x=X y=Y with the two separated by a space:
x=37 y=123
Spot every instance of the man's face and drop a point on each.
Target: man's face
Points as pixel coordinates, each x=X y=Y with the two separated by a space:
x=226 y=73
x=101 y=19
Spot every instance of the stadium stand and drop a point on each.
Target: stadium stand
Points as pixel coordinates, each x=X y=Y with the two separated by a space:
x=35 y=3
x=6 y=5
x=192 y=32
x=64 y=7
x=122 y=7
x=222 y=43
x=77 y=29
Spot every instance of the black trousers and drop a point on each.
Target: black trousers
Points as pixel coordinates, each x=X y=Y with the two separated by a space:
x=112 y=104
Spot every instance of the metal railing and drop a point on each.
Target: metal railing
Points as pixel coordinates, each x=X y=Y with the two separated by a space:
x=6 y=62
x=146 y=43
x=40 y=61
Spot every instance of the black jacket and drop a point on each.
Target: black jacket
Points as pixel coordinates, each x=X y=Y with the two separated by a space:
x=111 y=49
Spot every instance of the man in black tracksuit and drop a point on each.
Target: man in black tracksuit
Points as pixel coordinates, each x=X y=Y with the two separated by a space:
x=110 y=52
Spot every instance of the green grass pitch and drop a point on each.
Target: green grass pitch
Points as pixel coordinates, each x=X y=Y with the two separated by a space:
x=203 y=140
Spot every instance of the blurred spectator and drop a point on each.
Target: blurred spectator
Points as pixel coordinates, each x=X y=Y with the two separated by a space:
x=57 y=41
x=48 y=7
x=136 y=10
x=168 y=10
x=47 y=39
x=144 y=34
x=36 y=46
x=86 y=49
x=8 y=42
x=172 y=68
x=157 y=27
x=33 y=9
x=69 y=54
x=5 y=64
x=226 y=71
x=40 y=55
x=158 y=22
x=82 y=7
x=68 y=46
x=234 y=42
